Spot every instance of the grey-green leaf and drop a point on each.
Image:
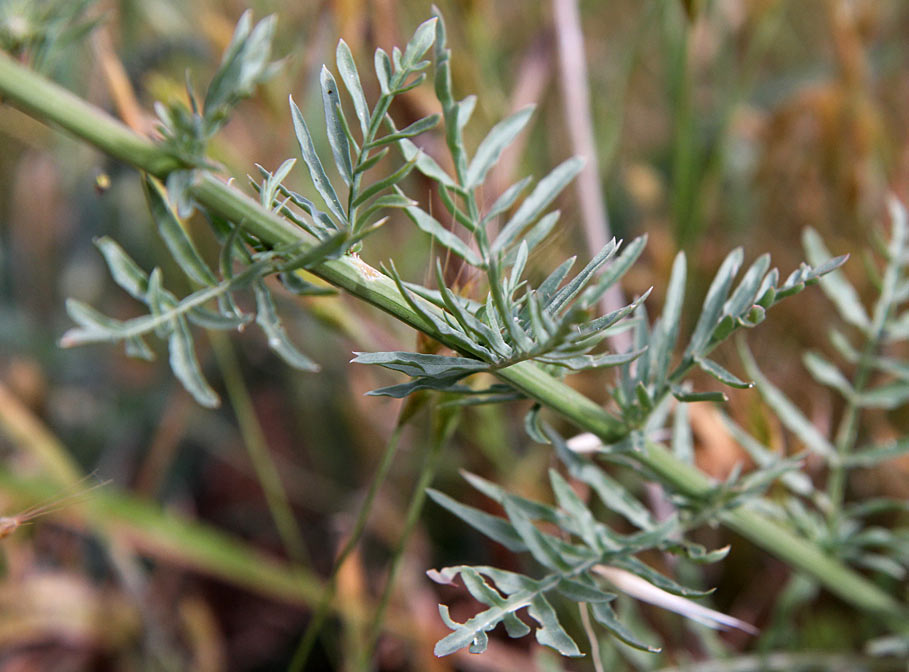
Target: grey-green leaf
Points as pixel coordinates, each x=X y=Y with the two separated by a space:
x=383 y=70
x=565 y=295
x=609 y=490
x=571 y=504
x=748 y=291
x=551 y=633
x=316 y=170
x=688 y=397
x=419 y=364
x=874 y=455
x=428 y=224
x=787 y=412
x=278 y=340
x=606 y=616
x=682 y=439
x=887 y=396
x=539 y=544
x=497 y=529
x=176 y=239
x=337 y=136
x=504 y=202
x=123 y=269
x=495 y=142
x=534 y=205
x=94 y=326
x=136 y=347
x=614 y=271
x=824 y=372
x=426 y=164
x=351 y=78
x=578 y=591
x=411 y=131
x=713 y=302
x=186 y=367
x=244 y=64
x=665 y=337
x=835 y=285
x=721 y=373
x=421 y=41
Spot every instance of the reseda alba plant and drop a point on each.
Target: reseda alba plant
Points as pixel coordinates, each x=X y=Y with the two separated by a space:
x=528 y=336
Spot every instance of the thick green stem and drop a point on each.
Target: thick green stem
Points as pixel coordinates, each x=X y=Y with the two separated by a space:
x=785 y=545
x=46 y=101
x=42 y=99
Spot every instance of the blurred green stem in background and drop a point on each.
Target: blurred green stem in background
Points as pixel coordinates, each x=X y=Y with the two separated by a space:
x=257 y=447
x=444 y=422
x=318 y=618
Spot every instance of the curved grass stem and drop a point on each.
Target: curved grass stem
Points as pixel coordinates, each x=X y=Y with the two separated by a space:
x=257 y=446
x=445 y=421
x=304 y=648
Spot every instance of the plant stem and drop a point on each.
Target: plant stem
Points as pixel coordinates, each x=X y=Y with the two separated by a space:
x=595 y=653
x=444 y=423
x=301 y=655
x=579 y=122
x=847 y=431
x=43 y=99
x=257 y=447
x=47 y=101
x=785 y=545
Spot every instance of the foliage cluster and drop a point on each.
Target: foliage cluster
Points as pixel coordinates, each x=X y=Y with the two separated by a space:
x=502 y=323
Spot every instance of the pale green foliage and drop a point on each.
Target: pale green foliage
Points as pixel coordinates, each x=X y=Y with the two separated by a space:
x=170 y=318
x=509 y=321
x=569 y=559
x=873 y=379
x=356 y=216
x=43 y=29
x=552 y=323
x=245 y=64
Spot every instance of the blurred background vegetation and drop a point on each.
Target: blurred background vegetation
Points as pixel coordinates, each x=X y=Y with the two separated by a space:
x=718 y=123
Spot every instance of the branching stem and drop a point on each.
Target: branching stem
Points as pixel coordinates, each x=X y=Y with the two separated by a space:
x=47 y=101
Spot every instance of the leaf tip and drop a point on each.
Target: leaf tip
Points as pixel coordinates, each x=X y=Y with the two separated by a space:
x=440 y=577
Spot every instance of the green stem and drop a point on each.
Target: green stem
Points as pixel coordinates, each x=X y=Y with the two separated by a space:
x=315 y=625
x=849 y=425
x=445 y=422
x=45 y=100
x=378 y=114
x=785 y=545
x=257 y=447
x=845 y=439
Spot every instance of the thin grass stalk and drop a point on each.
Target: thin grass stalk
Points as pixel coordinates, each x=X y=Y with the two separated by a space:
x=445 y=421
x=685 y=160
x=46 y=101
x=579 y=121
x=23 y=429
x=784 y=661
x=311 y=634
x=257 y=447
x=595 y=654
